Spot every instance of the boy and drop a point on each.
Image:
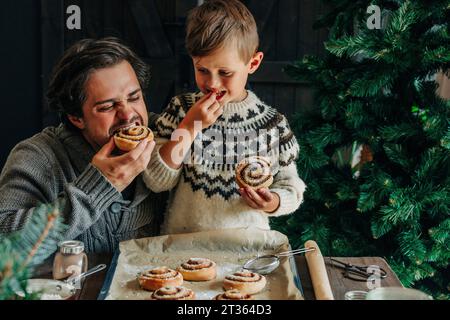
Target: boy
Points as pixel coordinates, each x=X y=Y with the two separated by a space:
x=222 y=40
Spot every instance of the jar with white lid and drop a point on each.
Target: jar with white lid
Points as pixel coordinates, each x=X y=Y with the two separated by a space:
x=70 y=260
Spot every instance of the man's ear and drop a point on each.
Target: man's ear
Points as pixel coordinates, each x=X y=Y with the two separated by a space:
x=76 y=121
x=255 y=62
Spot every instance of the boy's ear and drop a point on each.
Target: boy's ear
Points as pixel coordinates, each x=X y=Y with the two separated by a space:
x=255 y=62
x=76 y=121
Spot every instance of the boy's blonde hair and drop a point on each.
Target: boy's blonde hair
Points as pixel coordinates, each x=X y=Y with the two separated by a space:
x=219 y=23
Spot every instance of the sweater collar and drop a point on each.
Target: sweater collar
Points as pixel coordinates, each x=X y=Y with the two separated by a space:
x=240 y=107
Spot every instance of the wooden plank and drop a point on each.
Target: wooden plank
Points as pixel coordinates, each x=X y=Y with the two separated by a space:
x=184 y=79
x=52 y=47
x=339 y=284
x=92 y=13
x=162 y=83
x=304 y=98
x=166 y=9
x=151 y=30
x=167 y=14
x=264 y=91
x=264 y=14
x=322 y=34
x=20 y=29
x=131 y=34
x=284 y=98
x=272 y=72
x=159 y=95
x=286 y=32
x=306 y=39
x=113 y=19
x=182 y=7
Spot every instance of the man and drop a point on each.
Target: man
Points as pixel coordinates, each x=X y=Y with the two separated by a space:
x=97 y=87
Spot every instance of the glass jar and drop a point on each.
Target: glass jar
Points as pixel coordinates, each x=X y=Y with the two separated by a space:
x=397 y=293
x=70 y=260
x=355 y=295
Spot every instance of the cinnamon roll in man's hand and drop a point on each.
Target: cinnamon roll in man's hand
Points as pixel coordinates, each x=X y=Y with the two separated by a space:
x=254 y=172
x=127 y=139
x=173 y=293
x=160 y=277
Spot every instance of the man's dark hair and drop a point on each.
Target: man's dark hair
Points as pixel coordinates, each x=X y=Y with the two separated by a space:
x=66 y=92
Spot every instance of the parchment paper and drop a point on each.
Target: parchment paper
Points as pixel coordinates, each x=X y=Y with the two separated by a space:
x=230 y=249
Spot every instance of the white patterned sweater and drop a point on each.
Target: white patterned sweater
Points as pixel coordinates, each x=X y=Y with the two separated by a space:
x=204 y=193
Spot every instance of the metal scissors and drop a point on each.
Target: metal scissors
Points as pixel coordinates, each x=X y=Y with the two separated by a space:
x=359 y=273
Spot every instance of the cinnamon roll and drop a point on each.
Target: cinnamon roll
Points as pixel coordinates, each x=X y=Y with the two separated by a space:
x=160 y=277
x=233 y=295
x=127 y=139
x=173 y=293
x=246 y=282
x=254 y=172
x=198 y=269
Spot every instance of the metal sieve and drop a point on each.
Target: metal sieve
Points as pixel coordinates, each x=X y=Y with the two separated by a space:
x=267 y=263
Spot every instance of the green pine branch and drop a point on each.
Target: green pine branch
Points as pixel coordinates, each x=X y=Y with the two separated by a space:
x=24 y=249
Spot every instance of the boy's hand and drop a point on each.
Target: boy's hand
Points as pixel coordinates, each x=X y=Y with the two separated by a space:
x=261 y=199
x=207 y=110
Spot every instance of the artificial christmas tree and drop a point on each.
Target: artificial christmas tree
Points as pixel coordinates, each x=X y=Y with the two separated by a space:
x=376 y=103
x=21 y=251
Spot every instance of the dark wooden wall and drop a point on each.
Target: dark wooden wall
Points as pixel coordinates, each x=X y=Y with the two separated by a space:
x=286 y=34
x=152 y=28
x=37 y=36
x=20 y=85
x=155 y=30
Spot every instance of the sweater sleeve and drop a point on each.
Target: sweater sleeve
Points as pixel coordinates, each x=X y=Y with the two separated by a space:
x=159 y=176
x=290 y=188
x=29 y=178
x=287 y=183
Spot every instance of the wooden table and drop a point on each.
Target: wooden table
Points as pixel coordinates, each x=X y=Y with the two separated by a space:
x=93 y=284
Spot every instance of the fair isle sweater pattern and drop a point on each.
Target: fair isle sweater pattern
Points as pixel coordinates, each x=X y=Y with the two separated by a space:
x=212 y=170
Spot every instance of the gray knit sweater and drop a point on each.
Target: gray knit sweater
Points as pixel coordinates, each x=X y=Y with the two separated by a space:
x=55 y=163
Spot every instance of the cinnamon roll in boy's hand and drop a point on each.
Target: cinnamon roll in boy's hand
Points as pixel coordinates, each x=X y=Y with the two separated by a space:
x=254 y=172
x=173 y=293
x=127 y=139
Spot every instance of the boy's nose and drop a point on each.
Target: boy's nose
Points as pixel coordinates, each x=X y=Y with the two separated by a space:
x=213 y=83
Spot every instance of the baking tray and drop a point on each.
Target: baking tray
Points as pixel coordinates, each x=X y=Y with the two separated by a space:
x=112 y=268
x=245 y=237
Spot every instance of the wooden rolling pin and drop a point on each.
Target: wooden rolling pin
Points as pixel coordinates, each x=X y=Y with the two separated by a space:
x=318 y=272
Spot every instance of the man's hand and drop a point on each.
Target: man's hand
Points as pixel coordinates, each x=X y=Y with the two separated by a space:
x=121 y=170
x=261 y=199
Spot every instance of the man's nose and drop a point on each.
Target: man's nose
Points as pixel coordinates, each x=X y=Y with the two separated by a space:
x=125 y=111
